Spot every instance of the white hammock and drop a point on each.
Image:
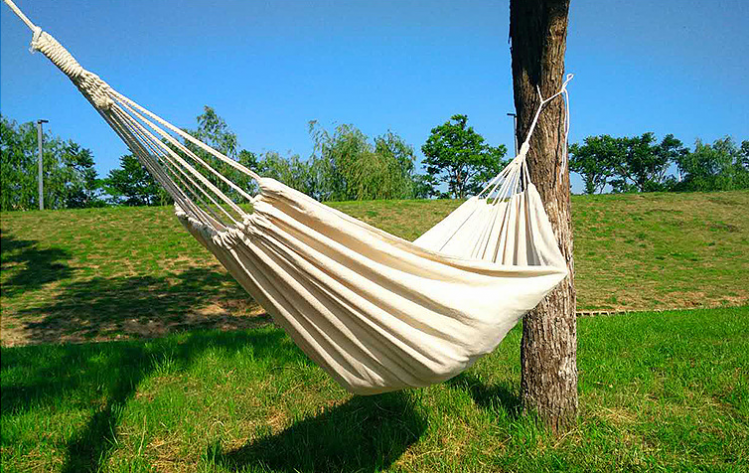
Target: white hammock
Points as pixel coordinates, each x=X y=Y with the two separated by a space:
x=377 y=312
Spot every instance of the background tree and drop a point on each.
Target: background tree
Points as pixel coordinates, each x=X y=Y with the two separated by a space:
x=70 y=179
x=346 y=166
x=424 y=186
x=401 y=159
x=458 y=156
x=645 y=163
x=724 y=165
x=596 y=160
x=132 y=185
x=292 y=171
x=538 y=32
x=16 y=166
x=79 y=178
x=213 y=131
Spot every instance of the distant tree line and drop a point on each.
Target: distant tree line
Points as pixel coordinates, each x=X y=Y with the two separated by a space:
x=641 y=164
x=347 y=165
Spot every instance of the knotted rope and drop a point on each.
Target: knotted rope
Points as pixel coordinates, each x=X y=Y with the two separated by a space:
x=90 y=84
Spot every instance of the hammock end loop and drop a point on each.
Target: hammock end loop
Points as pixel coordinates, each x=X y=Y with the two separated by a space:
x=37 y=33
x=90 y=84
x=563 y=89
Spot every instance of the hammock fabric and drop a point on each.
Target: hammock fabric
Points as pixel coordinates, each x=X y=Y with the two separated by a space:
x=377 y=312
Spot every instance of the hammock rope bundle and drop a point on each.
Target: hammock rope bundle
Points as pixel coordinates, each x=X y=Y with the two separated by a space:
x=377 y=312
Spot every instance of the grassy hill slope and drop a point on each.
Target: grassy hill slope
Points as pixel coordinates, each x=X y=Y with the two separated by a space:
x=109 y=273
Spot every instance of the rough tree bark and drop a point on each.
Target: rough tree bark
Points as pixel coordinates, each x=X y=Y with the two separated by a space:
x=538 y=32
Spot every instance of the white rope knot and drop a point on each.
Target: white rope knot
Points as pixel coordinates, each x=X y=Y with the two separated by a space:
x=37 y=32
x=91 y=85
x=524 y=149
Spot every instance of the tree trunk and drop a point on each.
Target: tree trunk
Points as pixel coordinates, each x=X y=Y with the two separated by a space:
x=538 y=31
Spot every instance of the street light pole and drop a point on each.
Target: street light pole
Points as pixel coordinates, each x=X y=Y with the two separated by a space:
x=40 y=139
x=514 y=130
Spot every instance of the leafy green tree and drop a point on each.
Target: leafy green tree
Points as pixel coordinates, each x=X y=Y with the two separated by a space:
x=394 y=150
x=70 y=180
x=249 y=160
x=423 y=186
x=79 y=178
x=17 y=165
x=292 y=171
x=458 y=156
x=213 y=131
x=132 y=185
x=596 y=160
x=392 y=145
x=335 y=159
x=379 y=176
x=646 y=162
x=345 y=166
x=724 y=165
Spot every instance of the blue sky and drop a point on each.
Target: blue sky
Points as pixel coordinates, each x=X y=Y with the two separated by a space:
x=671 y=66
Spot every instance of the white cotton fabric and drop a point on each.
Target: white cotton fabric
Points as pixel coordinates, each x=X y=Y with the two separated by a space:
x=379 y=313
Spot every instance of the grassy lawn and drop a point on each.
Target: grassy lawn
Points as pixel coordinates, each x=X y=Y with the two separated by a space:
x=220 y=389
x=104 y=274
x=658 y=392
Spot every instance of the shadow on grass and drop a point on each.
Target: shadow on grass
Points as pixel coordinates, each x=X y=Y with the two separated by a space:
x=102 y=309
x=39 y=266
x=366 y=434
x=106 y=376
x=491 y=397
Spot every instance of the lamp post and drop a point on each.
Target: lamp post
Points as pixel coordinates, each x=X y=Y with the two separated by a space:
x=514 y=130
x=40 y=139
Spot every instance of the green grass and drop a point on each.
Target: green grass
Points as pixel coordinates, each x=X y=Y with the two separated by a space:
x=666 y=391
x=104 y=274
x=661 y=250
x=658 y=392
